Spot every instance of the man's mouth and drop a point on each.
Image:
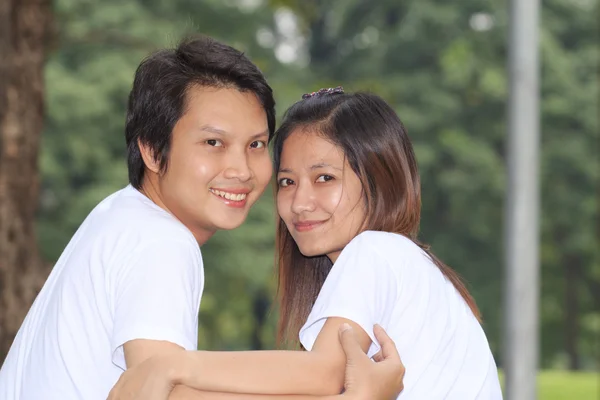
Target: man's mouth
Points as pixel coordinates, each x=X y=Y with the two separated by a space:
x=229 y=195
x=235 y=198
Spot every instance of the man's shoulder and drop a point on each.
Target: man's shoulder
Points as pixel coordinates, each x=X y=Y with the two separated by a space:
x=127 y=221
x=129 y=212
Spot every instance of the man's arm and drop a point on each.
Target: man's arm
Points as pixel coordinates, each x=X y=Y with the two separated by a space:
x=185 y=393
x=363 y=379
x=319 y=372
x=138 y=351
x=155 y=296
x=156 y=387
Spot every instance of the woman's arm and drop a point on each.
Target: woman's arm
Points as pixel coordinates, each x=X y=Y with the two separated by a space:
x=318 y=372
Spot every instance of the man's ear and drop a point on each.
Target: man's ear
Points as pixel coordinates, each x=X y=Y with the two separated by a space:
x=152 y=163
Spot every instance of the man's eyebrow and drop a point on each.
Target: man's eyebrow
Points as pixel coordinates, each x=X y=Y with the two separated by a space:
x=212 y=129
x=218 y=131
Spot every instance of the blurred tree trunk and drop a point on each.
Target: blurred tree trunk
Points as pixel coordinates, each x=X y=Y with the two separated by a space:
x=24 y=31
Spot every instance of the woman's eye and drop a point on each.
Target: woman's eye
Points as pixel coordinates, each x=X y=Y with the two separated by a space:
x=214 y=143
x=285 y=182
x=325 y=178
x=258 y=144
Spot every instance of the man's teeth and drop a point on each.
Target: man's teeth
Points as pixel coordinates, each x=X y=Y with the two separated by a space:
x=229 y=196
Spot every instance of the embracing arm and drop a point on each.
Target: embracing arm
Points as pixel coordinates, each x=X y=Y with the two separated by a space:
x=266 y=372
x=364 y=379
x=318 y=372
x=137 y=351
x=185 y=393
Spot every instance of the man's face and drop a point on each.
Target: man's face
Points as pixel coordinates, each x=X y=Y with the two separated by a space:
x=219 y=163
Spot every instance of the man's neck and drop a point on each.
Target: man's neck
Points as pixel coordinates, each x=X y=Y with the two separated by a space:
x=150 y=189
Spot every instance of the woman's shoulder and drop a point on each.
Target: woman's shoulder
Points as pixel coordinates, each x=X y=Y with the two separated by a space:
x=395 y=249
x=384 y=242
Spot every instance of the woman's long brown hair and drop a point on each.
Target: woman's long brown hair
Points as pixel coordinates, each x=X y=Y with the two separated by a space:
x=379 y=151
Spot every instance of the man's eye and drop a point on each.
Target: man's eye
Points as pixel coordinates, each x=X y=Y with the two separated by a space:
x=214 y=142
x=258 y=144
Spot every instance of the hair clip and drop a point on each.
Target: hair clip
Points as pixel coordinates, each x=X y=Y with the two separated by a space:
x=323 y=91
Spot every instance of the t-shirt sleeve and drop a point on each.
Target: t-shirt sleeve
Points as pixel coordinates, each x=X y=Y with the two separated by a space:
x=361 y=287
x=156 y=296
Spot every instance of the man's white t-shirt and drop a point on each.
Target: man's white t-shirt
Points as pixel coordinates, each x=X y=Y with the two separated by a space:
x=385 y=278
x=132 y=271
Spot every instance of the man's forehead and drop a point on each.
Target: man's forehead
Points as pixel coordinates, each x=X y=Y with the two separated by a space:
x=222 y=111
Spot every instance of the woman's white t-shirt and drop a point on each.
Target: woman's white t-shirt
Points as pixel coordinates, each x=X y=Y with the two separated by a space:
x=385 y=278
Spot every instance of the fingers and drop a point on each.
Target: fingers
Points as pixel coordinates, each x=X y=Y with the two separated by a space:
x=388 y=347
x=349 y=343
x=390 y=357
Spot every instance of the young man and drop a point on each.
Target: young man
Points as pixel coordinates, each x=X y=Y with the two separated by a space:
x=129 y=283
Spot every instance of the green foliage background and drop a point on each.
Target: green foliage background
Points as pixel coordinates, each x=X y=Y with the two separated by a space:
x=442 y=65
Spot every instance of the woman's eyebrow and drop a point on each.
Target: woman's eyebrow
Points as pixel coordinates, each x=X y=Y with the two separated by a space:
x=324 y=165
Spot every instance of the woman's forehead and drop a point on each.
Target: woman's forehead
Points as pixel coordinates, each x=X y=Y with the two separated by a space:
x=311 y=149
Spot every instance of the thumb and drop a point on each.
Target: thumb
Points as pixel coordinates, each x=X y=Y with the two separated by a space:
x=349 y=343
x=378 y=357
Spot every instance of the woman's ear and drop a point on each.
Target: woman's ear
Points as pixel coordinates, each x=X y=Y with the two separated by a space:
x=152 y=162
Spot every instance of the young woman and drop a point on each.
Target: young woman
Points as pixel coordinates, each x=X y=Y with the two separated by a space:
x=348 y=196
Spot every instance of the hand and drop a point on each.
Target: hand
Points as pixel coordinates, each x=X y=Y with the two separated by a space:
x=148 y=380
x=366 y=380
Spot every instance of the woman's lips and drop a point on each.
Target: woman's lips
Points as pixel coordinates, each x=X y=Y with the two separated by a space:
x=305 y=226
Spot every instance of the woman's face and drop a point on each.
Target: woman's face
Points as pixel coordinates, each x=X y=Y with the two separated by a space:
x=320 y=198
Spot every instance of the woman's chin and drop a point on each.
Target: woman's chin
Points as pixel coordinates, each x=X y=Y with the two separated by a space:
x=308 y=251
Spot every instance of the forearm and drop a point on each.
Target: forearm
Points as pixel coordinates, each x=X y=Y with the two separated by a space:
x=181 y=392
x=184 y=393
x=260 y=372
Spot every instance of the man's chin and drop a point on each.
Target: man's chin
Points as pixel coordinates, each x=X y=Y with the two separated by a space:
x=227 y=224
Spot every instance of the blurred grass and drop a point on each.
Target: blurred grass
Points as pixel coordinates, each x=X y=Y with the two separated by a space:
x=565 y=385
